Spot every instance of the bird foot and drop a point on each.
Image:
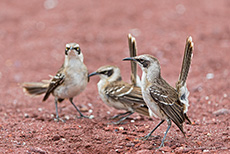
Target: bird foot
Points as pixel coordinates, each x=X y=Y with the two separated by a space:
x=82 y=116
x=59 y=119
x=148 y=136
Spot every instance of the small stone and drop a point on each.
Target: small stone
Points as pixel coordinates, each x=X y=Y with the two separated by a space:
x=118 y=150
x=130 y=144
x=90 y=111
x=210 y=76
x=67 y=117
x=166 y=149
x=56 y=138
x=132 y=121
x=121 y=128
x=208 y=134
x=38 y=150
x=83 y=108
x=91 y=116
x=118 y=147
x=221 y=112
x=26 y=115
x=39 y=109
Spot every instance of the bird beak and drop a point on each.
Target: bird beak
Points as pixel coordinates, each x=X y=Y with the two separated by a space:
x=92 y=74
x=130 y=59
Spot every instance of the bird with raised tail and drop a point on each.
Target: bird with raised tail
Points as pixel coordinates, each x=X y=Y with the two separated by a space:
x=118 y=94
x=70 y=80
x=164 y=101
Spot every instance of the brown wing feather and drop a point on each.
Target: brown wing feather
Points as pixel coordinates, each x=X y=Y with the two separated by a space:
x=167 y=99
x=57 y=80
x=124 y=92
x=128 y=95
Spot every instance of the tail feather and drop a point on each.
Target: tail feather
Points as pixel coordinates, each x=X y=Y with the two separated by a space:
x=181 y=84
x=133 y=53
x=186 y=62
x=35 y=88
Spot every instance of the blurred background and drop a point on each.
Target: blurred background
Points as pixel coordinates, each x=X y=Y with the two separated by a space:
x=33 y=35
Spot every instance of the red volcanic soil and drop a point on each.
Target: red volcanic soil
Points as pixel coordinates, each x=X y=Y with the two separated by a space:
x=33 y=35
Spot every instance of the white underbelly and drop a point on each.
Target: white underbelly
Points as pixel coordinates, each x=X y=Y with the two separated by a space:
x=154 y=109
x=71 y=89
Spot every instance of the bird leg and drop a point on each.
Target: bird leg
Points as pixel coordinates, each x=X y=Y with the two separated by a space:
x=118 y=115
x=57 y=116
x=123 y=118
x=162 y=142
x=149 y=134
x=81 y=115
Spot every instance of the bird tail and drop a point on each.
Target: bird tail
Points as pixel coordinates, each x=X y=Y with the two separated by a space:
x=133 y=52
x=181 y=84
x=186 y=61
x=35 y=88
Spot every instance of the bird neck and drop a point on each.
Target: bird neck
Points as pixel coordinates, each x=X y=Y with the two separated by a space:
x=72 y=61
x=148 y=76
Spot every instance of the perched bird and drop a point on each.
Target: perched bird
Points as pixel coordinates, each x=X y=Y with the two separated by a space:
x=118 y=94
x=69 y=81
x=164 y=101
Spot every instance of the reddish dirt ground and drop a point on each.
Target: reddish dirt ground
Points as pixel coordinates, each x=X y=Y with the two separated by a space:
x=33 y=35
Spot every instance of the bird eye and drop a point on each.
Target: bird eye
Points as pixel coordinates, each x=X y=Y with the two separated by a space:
x=109 y=73
x=66 y=50
x=146 y=64
x=78 y=50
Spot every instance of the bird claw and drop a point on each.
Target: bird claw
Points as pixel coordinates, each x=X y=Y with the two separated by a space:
x=147 y=137
x=57 y=119
x=82 y=116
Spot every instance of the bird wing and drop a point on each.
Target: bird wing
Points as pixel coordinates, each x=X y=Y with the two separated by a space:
x=124 y=92
x=167 y=99
x=129 y=95
x=56 y=81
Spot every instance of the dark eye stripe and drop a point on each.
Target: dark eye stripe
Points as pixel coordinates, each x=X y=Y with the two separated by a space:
x=77 y=49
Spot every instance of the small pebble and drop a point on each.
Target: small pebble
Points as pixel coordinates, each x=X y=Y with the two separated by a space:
x=39 y=109
x=91 y=116
x=67 y=117
x=56 y=138
x=89 y=104
x=210 y=76
x=26 y=115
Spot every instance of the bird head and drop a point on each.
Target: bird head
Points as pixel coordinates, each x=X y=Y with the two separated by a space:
x=149 y=64
x=109 y=73
x=73 y=50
